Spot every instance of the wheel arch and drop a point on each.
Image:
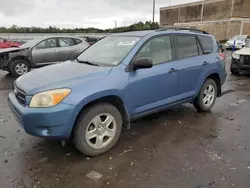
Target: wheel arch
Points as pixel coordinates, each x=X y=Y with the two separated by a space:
x=216 y=78
x=111 y=99
x=20 y=57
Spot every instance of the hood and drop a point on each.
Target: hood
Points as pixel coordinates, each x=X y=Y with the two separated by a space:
x=243 y=51
x=61 y=75
x=236 y=41
x=11 y=50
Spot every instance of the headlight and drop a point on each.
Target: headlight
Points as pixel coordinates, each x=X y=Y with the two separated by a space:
x=49 y=98
x=236 y=56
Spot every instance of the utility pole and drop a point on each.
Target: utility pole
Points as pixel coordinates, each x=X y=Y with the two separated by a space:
x=115 y=24
x=153 y=11
x=202 y=10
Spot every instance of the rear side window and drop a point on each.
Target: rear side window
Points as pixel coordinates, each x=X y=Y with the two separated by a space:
x=207 y=44
x=66 y=42
x=185 y=46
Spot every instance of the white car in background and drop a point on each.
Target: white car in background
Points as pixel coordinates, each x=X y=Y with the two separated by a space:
x=239 y=40
x=241 y=60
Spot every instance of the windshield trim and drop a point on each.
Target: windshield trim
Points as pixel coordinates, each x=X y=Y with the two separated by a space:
x=111 y=65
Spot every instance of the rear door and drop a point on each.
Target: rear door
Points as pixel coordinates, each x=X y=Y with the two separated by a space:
x=66 y=50
x=189 y=63
x=45 y=52
x=210 y=56
x=80 y=46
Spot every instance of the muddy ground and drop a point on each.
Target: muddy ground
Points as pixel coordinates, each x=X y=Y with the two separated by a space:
x=178 y=148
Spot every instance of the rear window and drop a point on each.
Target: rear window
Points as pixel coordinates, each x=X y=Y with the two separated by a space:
x=207 y=44
x=185 y=46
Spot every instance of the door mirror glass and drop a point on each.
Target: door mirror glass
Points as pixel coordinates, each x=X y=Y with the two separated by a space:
x=142 y=63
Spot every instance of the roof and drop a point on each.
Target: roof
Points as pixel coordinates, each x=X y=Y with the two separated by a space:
x=162 y=30
x=135 y=33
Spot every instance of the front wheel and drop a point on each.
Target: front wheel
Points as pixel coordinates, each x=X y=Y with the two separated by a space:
x=98 y=129
x=19 y=67
x=207 y=96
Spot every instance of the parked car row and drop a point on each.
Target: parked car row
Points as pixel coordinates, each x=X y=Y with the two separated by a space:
x=39 y=52
x=4 y=43
x=119 y=79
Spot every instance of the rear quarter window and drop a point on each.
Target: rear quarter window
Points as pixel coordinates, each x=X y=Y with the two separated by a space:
x=207 y=44
x=77 y=41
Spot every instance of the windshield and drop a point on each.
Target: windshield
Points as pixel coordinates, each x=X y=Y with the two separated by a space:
x=239 y=37
x=30 y=43
x=109 y=51
x=248 y=44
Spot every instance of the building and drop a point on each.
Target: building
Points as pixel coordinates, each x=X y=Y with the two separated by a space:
x=223 y=18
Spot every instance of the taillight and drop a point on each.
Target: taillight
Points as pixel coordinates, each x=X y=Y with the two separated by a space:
x=222 y=56
x=222 y=60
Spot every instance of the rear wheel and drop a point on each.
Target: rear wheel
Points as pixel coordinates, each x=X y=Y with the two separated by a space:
x=98 y=129
x=207 y=96
x=19 y=67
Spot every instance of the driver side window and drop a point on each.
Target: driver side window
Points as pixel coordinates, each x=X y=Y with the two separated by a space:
x=158 y=49
x=48 y=43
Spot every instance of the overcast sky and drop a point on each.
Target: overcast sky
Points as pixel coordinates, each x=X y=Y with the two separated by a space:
x=79 y=13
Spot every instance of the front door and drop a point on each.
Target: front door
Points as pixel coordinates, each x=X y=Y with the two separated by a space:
x=45 y=52
x=155 y=87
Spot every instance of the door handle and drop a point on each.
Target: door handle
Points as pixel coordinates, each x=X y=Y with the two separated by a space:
x=205 y=63
x=172 y=71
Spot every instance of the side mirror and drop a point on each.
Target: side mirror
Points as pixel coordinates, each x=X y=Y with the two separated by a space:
x=142 y=63
x=221 y=49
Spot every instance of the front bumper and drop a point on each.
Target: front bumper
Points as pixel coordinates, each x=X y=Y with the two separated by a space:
x=3 y=63
x=240 y=65
x=56 y=122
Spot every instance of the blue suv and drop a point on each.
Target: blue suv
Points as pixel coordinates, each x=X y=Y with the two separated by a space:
x=119 y=79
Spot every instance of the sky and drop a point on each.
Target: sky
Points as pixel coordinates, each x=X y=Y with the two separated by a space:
x=79 y=13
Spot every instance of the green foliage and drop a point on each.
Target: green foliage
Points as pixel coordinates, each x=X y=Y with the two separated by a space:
x=134 y=27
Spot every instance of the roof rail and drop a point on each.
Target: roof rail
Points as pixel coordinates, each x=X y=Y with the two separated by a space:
x=191 y=29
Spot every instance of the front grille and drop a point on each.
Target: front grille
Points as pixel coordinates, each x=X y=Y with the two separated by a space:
x=20 y=95
x=245 y=59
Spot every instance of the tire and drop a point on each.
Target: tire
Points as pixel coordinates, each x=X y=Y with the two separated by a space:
x=199 y=102
x=19 y=67
x=88 y=123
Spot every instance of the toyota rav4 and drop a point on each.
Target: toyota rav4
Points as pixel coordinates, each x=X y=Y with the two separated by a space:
x=119 y=79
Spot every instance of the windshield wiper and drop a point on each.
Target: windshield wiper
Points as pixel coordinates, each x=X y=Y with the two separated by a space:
x=88 y=63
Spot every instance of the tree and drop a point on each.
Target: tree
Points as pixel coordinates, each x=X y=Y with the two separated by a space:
x=51 y=29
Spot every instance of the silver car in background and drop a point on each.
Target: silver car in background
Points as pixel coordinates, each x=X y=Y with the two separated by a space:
x=238 y=41
x=39 y=52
